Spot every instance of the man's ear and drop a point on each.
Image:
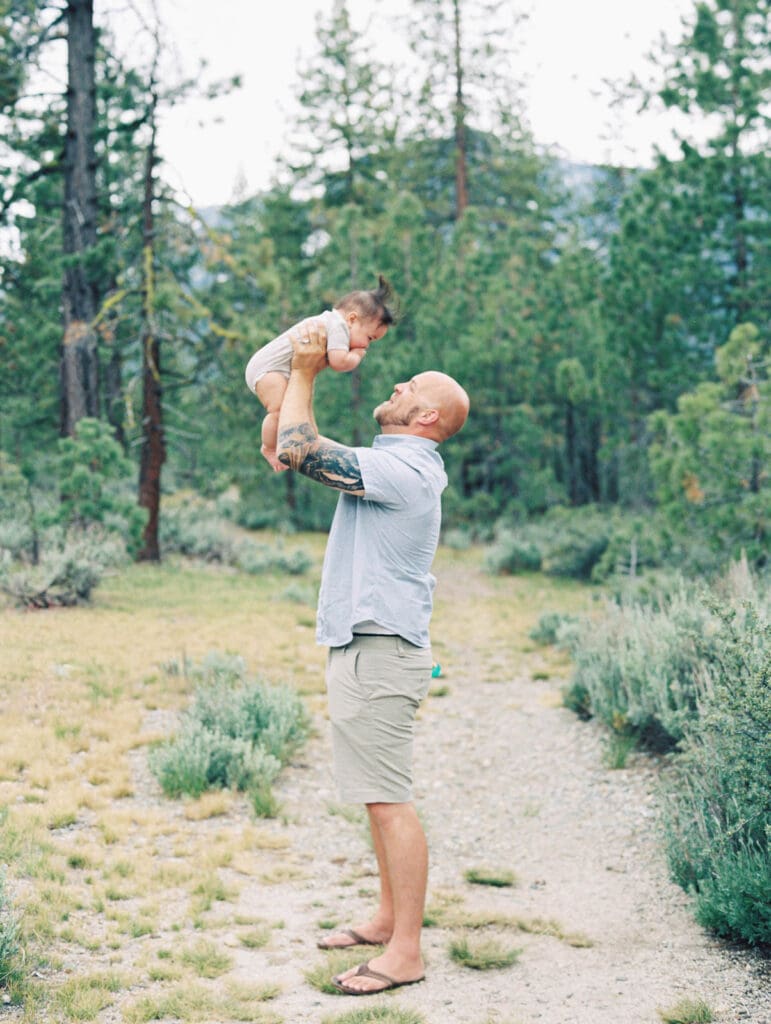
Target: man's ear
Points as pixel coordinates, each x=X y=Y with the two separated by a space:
x=429 y=416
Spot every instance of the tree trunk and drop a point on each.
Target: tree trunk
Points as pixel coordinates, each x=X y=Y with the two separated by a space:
x=461 y=175
x=571 y=468
x=153 y=453
x=79 y=377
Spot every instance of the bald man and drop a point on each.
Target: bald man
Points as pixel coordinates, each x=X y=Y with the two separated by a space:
x=374 y=610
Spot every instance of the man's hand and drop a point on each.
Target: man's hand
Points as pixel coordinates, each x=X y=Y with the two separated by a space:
x=309 y=347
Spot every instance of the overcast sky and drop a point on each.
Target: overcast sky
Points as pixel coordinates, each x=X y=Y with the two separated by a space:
x=569 y=49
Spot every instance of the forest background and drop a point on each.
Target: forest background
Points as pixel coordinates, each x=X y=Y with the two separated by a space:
x=611 y=325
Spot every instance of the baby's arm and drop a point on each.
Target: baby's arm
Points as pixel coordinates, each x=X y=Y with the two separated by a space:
x=344 y=361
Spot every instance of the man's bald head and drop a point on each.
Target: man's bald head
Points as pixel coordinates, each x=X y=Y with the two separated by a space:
x=432 y=405
x=450 y=400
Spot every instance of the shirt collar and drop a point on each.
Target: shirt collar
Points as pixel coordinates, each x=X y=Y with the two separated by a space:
x=389 y=440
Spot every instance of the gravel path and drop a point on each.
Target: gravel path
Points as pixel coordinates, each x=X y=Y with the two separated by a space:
x=507 y=779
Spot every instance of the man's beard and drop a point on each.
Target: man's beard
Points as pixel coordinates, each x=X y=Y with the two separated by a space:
x=386 y=416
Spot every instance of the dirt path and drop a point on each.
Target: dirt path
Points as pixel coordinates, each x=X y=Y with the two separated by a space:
x=507 y=779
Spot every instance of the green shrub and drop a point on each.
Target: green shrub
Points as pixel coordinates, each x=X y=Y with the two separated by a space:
x=718 y=798
x=97 y=484
x=10 y=948
x=195 y=529
x=635 y=545
x=640 y=669
x=237 y=734
x=201 y=758
x=510 y=554
x=552 y=627
x=261 y=558
x=564 y=542
x=65 y=576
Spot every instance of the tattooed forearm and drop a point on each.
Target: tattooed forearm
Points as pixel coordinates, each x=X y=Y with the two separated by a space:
x=331 y=464
x=294 y=443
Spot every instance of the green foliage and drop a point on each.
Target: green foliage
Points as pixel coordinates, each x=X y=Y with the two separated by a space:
x=485 y=876
x=551 y=626
x=717 y=799
x=64 y=575
x=93 y=473
x=195 y=528
x=10 y=946
x=710 y=460
x=377 y=1015
x=564 y=542
x=237 y=735
x=640 y=669
x=482 y=954
x=688 y=1011
x=510 y=554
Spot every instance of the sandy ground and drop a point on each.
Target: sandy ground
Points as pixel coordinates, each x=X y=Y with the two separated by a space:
x=508 y=779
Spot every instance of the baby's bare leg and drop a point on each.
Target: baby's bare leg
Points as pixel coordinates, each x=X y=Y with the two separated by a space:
x=270 y=390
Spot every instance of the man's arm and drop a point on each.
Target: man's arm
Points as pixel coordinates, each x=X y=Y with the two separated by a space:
x=299 y=445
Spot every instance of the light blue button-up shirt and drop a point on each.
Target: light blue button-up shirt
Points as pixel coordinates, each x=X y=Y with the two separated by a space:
x=380 y=548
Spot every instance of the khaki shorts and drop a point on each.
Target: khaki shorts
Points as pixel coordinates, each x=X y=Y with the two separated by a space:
x=374 y=687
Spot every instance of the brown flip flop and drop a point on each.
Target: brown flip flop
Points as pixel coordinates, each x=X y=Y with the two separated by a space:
x=365 y=971
x=358 y=940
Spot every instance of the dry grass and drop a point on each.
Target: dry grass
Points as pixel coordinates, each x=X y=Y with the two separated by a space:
x=129 y=899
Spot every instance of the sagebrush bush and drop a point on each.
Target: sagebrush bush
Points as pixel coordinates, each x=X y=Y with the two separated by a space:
x=641 y=669
x=195 y=529
x=65 y=575
x=564 y=542
x=718 y=797
x=553 y=628
x=200 y=758
x=237 y=734
x=512 y=554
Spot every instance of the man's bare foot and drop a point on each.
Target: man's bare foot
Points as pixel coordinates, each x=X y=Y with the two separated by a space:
x=390 y=972
x=269 y=454
x=347 y=937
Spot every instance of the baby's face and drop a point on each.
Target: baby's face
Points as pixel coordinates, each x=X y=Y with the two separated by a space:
x=364 y=332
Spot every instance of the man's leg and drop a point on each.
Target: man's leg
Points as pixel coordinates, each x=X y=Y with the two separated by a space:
x=379 y=927
x=400 y=847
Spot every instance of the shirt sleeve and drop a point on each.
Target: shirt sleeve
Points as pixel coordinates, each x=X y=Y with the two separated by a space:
x=387 y=479
x=338 y=336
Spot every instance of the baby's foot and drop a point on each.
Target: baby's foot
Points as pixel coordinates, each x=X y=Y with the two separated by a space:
x=269 y=454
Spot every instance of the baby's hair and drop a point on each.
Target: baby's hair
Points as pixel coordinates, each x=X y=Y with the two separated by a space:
x=370 y=304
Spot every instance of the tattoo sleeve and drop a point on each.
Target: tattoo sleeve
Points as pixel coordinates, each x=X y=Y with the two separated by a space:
x=331 y=464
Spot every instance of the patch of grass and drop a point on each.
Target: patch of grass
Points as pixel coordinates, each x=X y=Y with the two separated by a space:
x=83 y=998
x=282 y=873
x=334 y=963
x=352 y=814
x=209 y=889
x=688 y=1011
x=209 y=805
x=240 y=1000
x=618 y=747
x=264 y=803
x=10 y=948
x=78 y=861
x=482 y=954
x=447 y=911
x=485 y=876
x=186 y=1002
x=207 y=960
x=256 y=938
x=377 y=1015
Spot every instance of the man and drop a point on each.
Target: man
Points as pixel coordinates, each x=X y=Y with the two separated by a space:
x=374 y=610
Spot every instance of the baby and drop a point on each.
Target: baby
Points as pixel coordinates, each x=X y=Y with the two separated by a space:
x=357 y=320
